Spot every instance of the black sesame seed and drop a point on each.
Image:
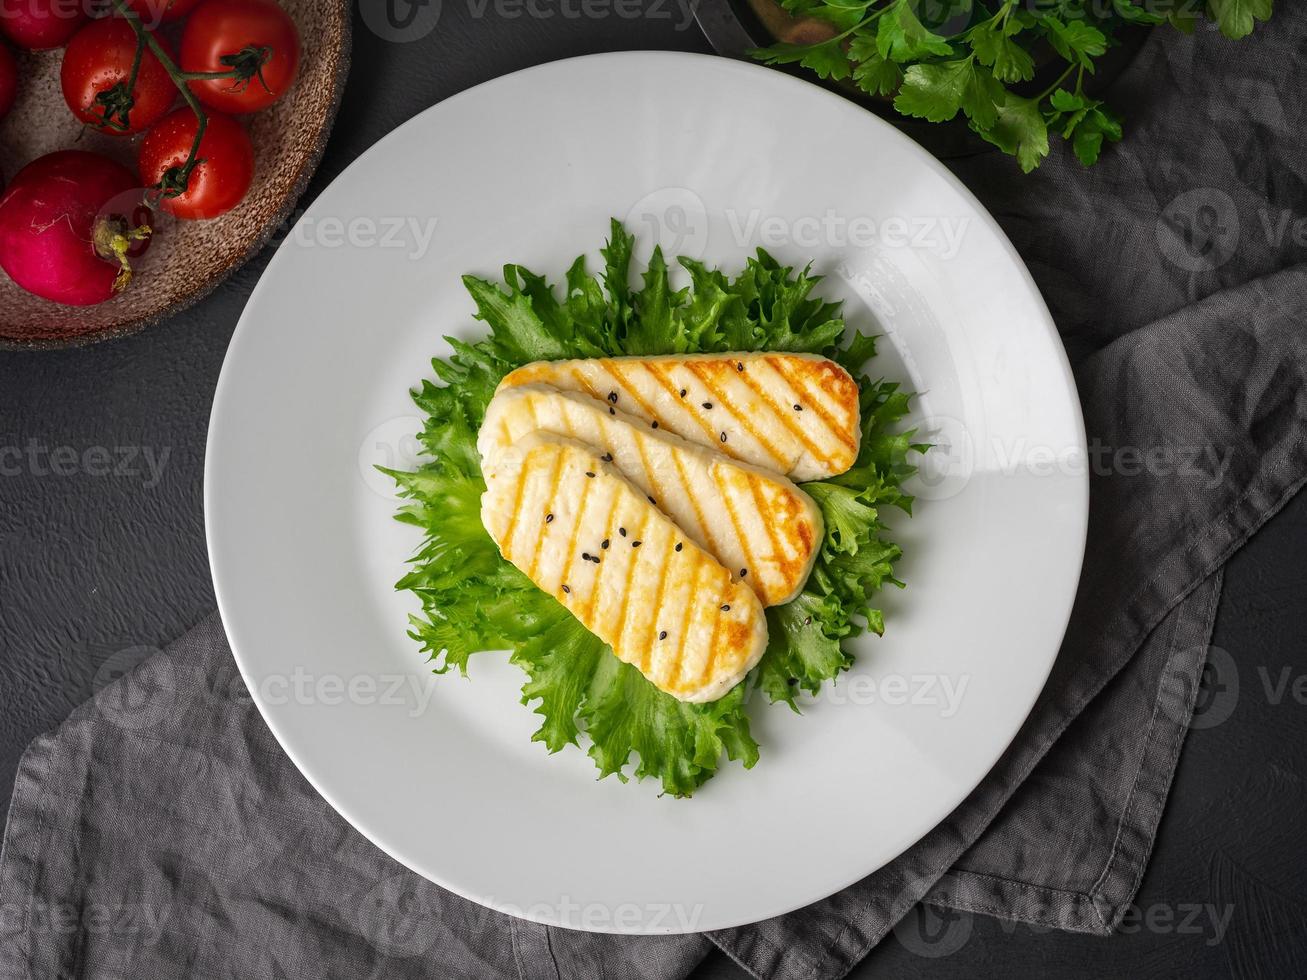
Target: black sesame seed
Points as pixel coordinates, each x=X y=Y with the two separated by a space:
x=682 y=392
x=604 y=545
x=662 y=635
x=585 y=556
x=612 y=397
x=739 y=365
x=798 y=408
x=652 y=501
x=678 y=546
x=595 y=559
x=707 y=404
x=726 y=607
x=807 y=621
x=636 y=544
x=549 y=518
x=622 y=531
x=654 y=423
x=607 y=457
x=612 y=411
x=567 y=588
x=590 y=474
x=723 y=437
x=744 y=573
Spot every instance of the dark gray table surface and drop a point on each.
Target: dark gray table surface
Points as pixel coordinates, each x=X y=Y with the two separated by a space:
x=99 y=568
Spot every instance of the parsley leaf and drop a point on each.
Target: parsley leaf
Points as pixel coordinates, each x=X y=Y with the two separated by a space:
x=994 y=46
x=1237 y=18
x=885 y=47
x=1076 y=41
x=872 y=72
x=902 y=37
x=826 y=59
x=937 y=91
x=1021 y=131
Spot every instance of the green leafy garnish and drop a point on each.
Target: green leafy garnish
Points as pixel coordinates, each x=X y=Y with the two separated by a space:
x=474 y=600
x=947 y=57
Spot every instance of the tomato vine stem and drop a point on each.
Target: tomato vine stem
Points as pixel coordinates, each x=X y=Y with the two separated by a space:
x=246 y=64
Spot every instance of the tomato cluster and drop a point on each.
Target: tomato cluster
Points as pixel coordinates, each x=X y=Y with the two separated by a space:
x=123 y=73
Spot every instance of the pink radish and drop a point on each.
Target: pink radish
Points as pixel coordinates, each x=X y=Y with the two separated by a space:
x=70 y=224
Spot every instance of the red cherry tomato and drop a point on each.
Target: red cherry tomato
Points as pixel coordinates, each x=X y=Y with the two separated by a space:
x=97 y=65
x=8 y=80
x=156 y=12
x=219 y=181
x=39 y=24
x=255 y=36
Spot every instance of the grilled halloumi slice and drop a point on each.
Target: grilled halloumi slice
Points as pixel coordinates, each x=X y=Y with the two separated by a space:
x=756 y=523
x=793 y=413
x=584 y=534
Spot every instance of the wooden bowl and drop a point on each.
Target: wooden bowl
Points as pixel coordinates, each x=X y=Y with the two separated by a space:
x=186 y=258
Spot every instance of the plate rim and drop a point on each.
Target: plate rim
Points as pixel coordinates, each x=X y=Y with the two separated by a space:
x=656 y=59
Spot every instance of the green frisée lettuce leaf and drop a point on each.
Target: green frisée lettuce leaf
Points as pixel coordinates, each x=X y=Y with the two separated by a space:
x=474 y=600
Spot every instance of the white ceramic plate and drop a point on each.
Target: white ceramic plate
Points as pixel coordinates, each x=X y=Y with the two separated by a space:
x=712 y=158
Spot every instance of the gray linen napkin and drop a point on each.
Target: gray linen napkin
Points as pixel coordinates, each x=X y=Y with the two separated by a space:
x=161 y=832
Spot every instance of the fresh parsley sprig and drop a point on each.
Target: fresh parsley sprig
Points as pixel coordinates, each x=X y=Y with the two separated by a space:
x=939 y=58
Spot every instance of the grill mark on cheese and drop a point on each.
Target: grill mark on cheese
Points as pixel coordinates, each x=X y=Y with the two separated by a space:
x=643 y=621
x=785 y=415
x=647 y=655
x=711 y=660
x=518 y=488
x=778 y=556
x=626 y=386
x=584 y=382
x=742 y=417
x=704 y=529
x=686 y=407
x=839 y=431
x=631 y=568
x=687 y=624
x=554 y=473
x=725 y=492
x=595 y=592
x=651 y=481
x=572 y=534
